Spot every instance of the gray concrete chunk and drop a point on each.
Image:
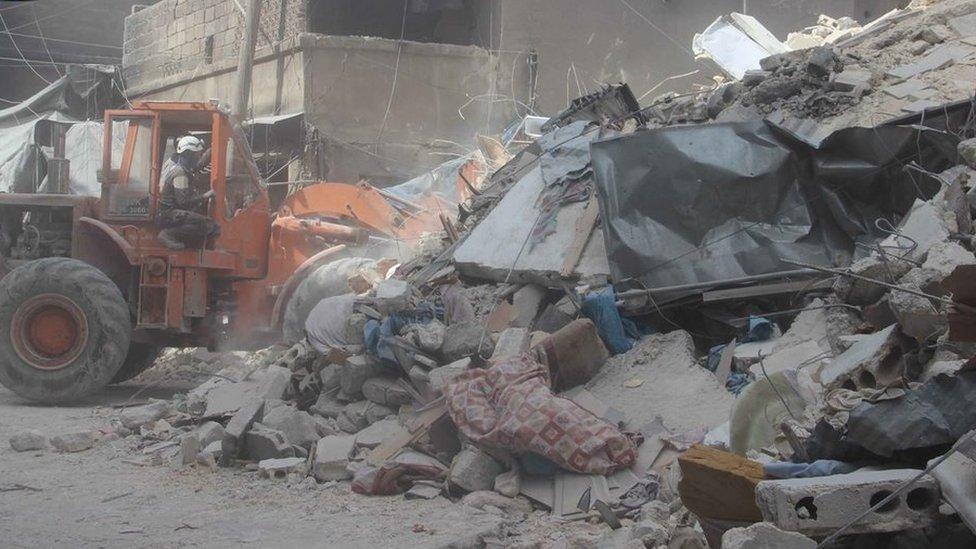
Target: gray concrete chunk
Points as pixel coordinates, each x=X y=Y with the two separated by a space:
x=474 y=470
x=299 y=428
x=764 y=535
x=331 y=458
x=137 y=416
x=28 y=440
x=262 y=443
x=819 y=506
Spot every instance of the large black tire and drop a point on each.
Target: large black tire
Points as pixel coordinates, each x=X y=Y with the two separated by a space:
x=64 y=330
x=140 y=358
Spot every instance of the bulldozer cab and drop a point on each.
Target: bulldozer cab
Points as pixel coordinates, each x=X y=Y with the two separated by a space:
x=138 y=142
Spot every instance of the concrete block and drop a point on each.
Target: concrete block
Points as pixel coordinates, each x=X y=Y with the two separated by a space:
x=429 y=337
x=262 y=443
x=327 y=406
x=860 y=292
x=376 y=412
x=511 y=342
x=393 y=295
x=28 y=440
x=331 y=458
x=967 y=151
x=137 y=416
x=465 y=339
x=957 y=480
x=209 y=432
x=764 y=535
x=375 y=434
x=189 y=449
x=74 y=442
x=280 y=468
x=239 y=424
x=440 y=377
x=331 y=376
x=867 y=363
x=353 y=418
x=819 y=506
x=356 y=370
x=474 y=470
x=527 y=301
x=850 y=80
x=299 y=428
x=386 y=391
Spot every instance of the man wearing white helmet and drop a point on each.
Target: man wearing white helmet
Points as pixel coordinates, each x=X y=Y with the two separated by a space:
x=182 y=209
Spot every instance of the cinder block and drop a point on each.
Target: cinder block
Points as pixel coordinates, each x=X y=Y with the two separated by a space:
x=819 y=506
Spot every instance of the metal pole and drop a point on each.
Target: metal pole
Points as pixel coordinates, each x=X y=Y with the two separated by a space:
x=245 y=60
x=700 y=285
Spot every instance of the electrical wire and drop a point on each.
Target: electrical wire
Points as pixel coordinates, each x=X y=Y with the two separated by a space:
x=40 y=33
x=61 y=40
x=396 y=72
x=20 y=53
x=655 y=27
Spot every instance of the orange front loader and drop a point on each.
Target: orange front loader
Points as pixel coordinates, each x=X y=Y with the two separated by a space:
x=88 y=293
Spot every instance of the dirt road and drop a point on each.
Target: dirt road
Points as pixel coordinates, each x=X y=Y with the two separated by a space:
x=96 y=499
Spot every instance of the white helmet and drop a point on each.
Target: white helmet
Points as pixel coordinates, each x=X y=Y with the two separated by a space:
x=189 y=143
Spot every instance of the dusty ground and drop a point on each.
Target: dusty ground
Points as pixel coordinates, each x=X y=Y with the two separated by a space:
x=95 y=499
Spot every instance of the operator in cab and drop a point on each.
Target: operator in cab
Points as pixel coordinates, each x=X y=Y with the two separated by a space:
x=182 y=212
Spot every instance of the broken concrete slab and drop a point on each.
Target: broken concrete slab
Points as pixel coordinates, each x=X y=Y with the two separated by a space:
x=493 y=250
x=281 y=467
x=271 y=383
x=74 y=442
x=465 y=339
x=918 y=317
x=764 y=535
x=806 y=354
x=375 y=434
x=964 y=25
x=299 y=428
x=957 y=480
x=675 y=388
x=850 y=80
x=871 y=362
x=511 y=342
x=386 y=391
x=209 y=433
x=937 y=58
x=439 y=377
x=353 y=418
x=906 y=88
x=944 y=257
x=327 y=405
x=862 y=292
x=137 y=416
x=818 y=506
x=719 y=485
x=355 y=371
x=332 y=457
x=473 y=470
x=392 y=295
x=237 y=427
x=527 y=301
x=967 y=151
x=262 y=443
x=924 y=225
x=28 y=440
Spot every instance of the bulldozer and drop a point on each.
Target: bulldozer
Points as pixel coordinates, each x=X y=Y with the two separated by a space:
x=89 y=295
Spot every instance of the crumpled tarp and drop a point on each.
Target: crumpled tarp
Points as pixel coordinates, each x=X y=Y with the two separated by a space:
x=693 y=204
x=82 y=94
x=511 y=406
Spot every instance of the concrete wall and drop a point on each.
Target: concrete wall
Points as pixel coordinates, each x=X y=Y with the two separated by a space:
x=440 y=94
x=183 y=38
x=278 y=85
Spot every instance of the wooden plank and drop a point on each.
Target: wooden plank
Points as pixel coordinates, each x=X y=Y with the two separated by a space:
x=584 y=227
x=724 y=367
x=392 y=445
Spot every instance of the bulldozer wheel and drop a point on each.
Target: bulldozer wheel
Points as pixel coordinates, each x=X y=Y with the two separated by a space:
x=64 y=330
x=140 y=358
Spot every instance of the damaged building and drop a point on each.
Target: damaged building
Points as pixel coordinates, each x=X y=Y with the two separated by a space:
x=695 y=277
x=392 y=89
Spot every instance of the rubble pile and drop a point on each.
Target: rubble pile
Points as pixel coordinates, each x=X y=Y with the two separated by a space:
x=796 y=369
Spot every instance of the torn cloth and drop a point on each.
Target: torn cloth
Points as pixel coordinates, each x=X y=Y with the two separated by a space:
x=511 y=406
